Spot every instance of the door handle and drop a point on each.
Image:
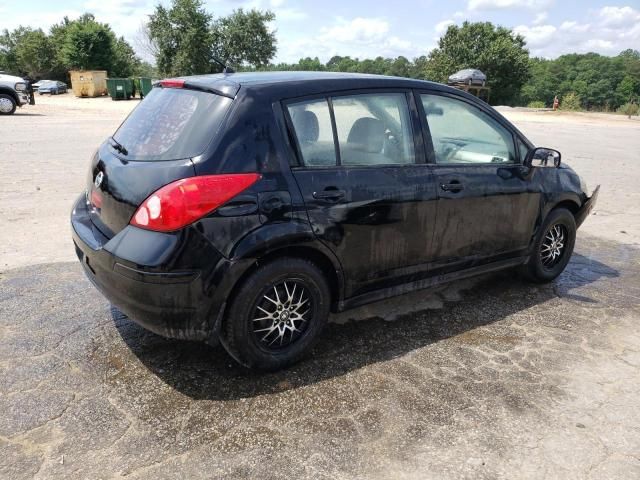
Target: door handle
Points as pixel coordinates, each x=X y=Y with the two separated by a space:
x=452 y=187
x=329 y=194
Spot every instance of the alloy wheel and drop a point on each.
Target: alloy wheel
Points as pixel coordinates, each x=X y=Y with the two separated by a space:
x=282 y=315
x=553 y=246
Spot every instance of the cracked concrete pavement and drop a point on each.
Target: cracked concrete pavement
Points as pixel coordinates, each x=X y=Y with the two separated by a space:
x=486 y=378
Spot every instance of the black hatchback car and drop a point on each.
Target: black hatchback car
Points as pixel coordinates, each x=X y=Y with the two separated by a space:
x=246 y=207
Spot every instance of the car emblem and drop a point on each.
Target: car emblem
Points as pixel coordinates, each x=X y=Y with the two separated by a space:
x=98 y=181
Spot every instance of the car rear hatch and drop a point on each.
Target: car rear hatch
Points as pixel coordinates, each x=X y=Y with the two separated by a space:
x=153 y=147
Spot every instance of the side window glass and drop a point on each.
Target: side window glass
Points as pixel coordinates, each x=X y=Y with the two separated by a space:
x=374 y=129
x=462 y=133
x=312 y=125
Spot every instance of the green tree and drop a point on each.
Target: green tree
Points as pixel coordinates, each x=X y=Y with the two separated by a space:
x=571 y=101
x=145 y=69
x=88 y=45
x=309 y=64
x=419 y=67
x=82 y=43
x=8 y=45
x=35 y=54
x=601 y=82
x=244 y=39
x=183 y=38
x=125 y=63
x=497 y=51
x=629 y=109
x=626 y=89
x=400 y=67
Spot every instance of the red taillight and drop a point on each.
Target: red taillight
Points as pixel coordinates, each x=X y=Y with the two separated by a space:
x=182 y=202
x=172 y=83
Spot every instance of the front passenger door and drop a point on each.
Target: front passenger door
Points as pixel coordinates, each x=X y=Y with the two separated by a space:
x=485 y=207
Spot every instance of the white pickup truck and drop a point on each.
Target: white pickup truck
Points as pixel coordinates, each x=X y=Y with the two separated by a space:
x=13 y=93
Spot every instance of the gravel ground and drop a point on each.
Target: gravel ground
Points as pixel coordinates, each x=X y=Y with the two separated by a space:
x=488 y=378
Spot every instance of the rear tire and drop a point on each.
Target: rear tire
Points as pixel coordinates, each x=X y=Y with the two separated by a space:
x=277 y=314
x=553 y=247
x=8 y=104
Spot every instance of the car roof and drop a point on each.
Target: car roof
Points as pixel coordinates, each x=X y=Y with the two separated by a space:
x=291 y=84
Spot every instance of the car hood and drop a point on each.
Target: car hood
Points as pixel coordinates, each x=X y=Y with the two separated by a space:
x=10 y=78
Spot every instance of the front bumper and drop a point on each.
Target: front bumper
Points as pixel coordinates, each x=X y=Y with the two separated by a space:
x=23 y=98
x=131 y=271
x=587 y=207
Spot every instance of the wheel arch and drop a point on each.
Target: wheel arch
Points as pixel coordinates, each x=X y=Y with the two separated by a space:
x=568 y=200
x=12 y=93
x=570 y=205
x=314 y=253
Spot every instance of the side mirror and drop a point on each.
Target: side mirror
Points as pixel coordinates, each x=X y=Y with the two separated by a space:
x=543 y=157
x=431 y=109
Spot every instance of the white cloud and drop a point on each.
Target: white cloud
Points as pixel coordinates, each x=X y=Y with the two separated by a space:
x=540 y=18
x=538 y=36
x=283 y=12
x=124 y=16
x=503 y=4
x=290 y=14
x=442 y=26
x=614 y=17
x=38 y=19
x=607 y=31
x=357 y=30
x=360 y=37
x=575 y=27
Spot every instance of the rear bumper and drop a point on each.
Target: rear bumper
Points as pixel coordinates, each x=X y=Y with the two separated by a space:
x=586 y=209
x=131 y=271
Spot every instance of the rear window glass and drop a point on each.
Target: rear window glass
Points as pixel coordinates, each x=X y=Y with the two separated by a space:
x=171 y=124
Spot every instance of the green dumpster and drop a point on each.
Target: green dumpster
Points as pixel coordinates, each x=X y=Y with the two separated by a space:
x=120 y=88
x=145 y=86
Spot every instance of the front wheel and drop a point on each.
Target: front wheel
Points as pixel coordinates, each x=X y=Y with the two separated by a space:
x=553 y=247
x=277 y=314
x=7 y=104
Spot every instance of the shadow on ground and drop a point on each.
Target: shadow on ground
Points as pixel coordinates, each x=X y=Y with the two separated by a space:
x=203 y=372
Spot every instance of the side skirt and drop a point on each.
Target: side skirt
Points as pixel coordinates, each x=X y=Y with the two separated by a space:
x=434 y=281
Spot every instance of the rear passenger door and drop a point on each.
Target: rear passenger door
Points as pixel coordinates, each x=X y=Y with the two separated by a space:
x=369 y=195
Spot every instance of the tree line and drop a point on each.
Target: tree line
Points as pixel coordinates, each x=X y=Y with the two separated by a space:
x=589 y=81
x=185 y=39
x=495 y=50
x=80 y=44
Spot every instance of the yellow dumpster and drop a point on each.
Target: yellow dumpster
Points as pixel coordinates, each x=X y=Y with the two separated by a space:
x=88 y=83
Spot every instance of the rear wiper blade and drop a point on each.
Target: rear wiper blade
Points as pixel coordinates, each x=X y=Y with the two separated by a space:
x=118 y=146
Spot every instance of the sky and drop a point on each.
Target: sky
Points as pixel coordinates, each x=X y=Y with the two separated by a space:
x=369 y=28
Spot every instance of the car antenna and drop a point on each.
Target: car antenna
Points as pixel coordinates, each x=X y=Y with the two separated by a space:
x=225 y=68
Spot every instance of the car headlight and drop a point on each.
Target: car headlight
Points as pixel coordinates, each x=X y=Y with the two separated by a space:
x=20 y=87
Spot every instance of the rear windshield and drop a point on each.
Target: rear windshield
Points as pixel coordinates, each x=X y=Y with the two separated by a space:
x=171 y=124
